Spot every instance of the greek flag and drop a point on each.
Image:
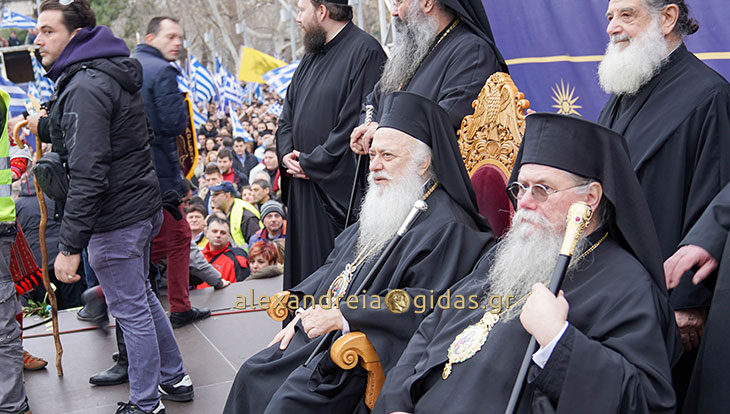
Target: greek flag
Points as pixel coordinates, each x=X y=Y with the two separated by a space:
x=258 y=94
x=238 y=130
x=280 y=78
x=17 y=20
x=33 y=91
x=231 y=93
x=43 y=85
x=203 y=83
x=17 y=96
x=183 y=81
x=276 y=109
x=199 y=117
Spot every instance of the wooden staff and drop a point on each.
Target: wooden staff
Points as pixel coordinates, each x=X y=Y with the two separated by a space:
x=44 y=250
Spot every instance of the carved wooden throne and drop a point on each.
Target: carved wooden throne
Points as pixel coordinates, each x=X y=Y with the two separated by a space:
x=489 y=141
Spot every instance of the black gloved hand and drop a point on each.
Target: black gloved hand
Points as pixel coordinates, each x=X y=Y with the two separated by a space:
x=171 y=202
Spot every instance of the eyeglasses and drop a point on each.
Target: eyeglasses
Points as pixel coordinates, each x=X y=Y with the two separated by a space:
x=395 y=3
x=65 y=2
x=539 y=192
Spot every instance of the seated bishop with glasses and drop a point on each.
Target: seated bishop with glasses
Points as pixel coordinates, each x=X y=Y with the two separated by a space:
x=606 y=340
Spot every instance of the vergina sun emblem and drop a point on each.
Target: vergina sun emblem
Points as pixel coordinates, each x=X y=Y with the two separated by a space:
x=563 y=95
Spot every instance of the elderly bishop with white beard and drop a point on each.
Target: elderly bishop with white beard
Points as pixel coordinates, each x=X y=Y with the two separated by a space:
x=605 y=339
x=674 y=112
x=414 y=156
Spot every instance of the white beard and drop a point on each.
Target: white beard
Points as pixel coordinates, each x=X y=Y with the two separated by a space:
x=384 y=209
x=411 y=44
x=625 y=71
x=526 y=255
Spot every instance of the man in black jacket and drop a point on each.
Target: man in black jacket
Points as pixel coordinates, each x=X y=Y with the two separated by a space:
x=98 y=124
x=168 y=117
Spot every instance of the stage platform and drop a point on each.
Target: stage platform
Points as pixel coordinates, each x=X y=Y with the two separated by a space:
x=213 y=349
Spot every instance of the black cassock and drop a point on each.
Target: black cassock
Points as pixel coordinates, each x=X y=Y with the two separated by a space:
x=611 y=358
x=677 y=128
x=321 y=109
x=452 y=74
x=441 y=247
x=709 y=389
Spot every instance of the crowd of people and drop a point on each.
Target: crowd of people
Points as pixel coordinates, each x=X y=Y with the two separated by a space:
x=321 y=195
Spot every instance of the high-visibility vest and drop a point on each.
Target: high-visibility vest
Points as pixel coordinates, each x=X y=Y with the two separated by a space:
x=236 y=218
x=7 y=206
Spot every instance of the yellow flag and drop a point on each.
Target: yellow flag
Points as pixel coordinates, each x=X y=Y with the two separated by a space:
x=255 y=63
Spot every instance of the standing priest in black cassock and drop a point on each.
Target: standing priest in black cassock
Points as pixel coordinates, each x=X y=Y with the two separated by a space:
x=604 y=341
x=414 y=156
x=443 y=50
x=321 y=108
x=704 y=245
x=674 y=112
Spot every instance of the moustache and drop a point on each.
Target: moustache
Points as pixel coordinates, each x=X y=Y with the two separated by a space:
x=620 y=38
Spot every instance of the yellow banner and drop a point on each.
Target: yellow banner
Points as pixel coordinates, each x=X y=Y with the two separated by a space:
x=255 y=63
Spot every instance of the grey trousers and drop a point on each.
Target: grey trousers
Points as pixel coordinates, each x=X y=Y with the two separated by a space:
x=120 y=259
x=12 y=390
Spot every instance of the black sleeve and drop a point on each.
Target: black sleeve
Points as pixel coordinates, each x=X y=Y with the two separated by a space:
x=711 y=230
x=44 y=132
x=171 y=109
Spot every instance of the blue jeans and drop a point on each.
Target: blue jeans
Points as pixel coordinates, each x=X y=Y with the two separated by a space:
x=89 y=274
x=120 y=259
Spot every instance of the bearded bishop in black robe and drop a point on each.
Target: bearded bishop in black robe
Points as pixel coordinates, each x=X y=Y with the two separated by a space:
x=321 y=108
x=677 y=128
x=613 y=355
x=457 y=62
x=441 y=247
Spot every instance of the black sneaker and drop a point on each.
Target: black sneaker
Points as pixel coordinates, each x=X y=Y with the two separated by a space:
x=129 y=408
x=180 y=392
x=179 y=319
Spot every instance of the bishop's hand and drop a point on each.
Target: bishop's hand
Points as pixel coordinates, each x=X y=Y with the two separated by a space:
x=318 y=321
x=543 y=314
x=686 y=258
x=361 y=138
x=285 y=335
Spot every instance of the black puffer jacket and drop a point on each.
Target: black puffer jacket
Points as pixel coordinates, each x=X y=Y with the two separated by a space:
x=98 y=113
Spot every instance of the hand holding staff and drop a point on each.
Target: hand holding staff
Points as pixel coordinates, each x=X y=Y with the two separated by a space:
x=579 y=216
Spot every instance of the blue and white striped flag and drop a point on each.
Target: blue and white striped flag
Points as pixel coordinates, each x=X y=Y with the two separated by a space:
x=276 y=109
x=183 y=81
x=231 y=92
x=44 y=85
x=238 y=130
x=280 y=78
x=258 y=94
x=33 y=91
x=199 y=117
x=17 y=20
x=203 y=82
x=17 y=96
